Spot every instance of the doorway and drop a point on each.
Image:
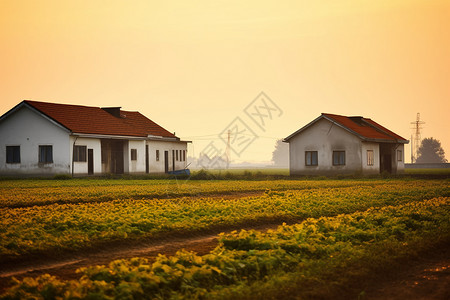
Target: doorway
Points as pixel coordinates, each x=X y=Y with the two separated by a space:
x=112 y=156
x=147 y=166
x=90 y=161
x=166 y=161
x=385 y=163
x=386 y=157
x=173 y=160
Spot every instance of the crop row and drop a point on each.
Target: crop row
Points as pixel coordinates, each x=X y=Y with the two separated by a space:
x=40 y=229
x=23 y=193
x=247 y=258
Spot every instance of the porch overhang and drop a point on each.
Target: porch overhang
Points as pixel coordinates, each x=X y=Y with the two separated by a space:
x=106 y=136
x=165 y=139
x=385 y=141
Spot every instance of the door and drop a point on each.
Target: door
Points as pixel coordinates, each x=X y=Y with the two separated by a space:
x=386 y=163
x=112 y=156
x=147 y=166
x=166 y=161
x=117 y=156
x=90 y=161
x=173 y=160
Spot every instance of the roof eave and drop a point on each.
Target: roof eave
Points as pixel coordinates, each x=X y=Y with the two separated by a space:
x=387 y=132
x=11 y=111
x=165 y=139
x=35 y=110
x=107 y=136
x=385 y=141
x=286 y=140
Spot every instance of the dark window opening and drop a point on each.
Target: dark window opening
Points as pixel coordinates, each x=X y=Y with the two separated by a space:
x=46 y=154
x=133 y=154
x=157 y=155
x=370 y=157
x=338 y=158
x=311 y=158
x=79 y=153
x=399 y=155
x=13 y=154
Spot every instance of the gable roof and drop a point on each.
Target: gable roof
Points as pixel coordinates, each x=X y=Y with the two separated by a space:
x=95 y=120
x=366 y=129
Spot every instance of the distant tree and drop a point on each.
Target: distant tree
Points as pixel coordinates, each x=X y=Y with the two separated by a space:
x=430 y=151
x=280 y=156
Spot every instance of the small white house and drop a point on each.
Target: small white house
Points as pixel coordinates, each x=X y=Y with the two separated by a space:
x=38 y=138
x=334 y=144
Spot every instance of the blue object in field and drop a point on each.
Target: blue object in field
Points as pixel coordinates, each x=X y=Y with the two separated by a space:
x=181 y=172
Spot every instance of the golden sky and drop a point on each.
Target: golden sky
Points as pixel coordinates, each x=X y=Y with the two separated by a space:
x=193 y=66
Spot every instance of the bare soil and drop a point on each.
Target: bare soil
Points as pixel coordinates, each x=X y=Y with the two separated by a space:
x=427 y=277
x=65 y=265
x=423 y=278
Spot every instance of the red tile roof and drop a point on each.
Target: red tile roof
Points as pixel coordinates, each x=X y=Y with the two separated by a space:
x=365 y=127
x=94 y=120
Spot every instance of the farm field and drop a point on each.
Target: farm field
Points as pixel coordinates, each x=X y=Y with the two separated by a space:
x=337 y=222
x=442 y=171
x=24 y=193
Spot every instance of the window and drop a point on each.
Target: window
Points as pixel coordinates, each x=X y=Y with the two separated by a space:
x=133 y=154
x=311 y=158
x=79 y=153
x=399 y=155
x=184 y=155
x=176 y=151
x=13 y=154
x=157 y=155
x=338 y=158
x=46 y=154
x=370 y=157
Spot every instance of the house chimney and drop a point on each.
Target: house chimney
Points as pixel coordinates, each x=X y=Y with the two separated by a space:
x=358 y=120
x=115 y=111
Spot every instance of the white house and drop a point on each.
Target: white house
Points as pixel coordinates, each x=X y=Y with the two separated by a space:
x=38 y=138
x=333 y=144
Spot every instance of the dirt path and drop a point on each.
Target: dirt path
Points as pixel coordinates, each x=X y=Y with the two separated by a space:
x=424 y=278
x=65 y=267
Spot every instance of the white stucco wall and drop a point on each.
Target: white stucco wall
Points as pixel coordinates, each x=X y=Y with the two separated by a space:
x=400 y=164
x=136 y=166
x=375 y=168
x=324 y=137
x=81 y=168
x=158 y=166
x=28 y=129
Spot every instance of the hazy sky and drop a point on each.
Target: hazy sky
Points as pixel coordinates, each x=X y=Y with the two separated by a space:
x=194 y=66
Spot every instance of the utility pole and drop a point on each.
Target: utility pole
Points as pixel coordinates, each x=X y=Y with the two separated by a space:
x=227 y=151
x=415 y=143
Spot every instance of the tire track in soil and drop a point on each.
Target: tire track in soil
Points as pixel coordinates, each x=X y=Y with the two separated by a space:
x=424 y=279
x=65 y=268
